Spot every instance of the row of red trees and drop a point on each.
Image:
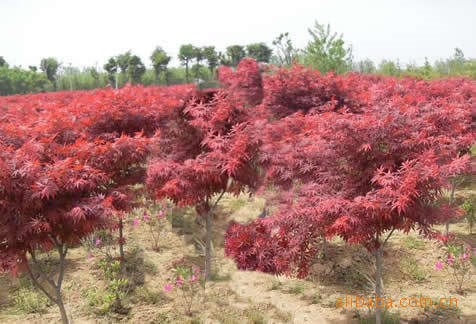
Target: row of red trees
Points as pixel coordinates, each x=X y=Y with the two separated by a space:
x=353 y=156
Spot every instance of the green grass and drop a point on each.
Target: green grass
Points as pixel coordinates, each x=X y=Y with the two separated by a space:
x=28 y=301
x=255 y=316
x=413 y=243
x=296 y=289
x=411 y=268
x=276 y=285
x=145 y=295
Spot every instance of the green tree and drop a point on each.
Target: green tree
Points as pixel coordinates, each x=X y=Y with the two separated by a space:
x=326 y=51
x=211 y=56
x=388 y=67
x=470 y=68
x=186 y=55
x=234 y=54
x=427 y=70
x=16 y=80
x=285 y=51
x=123 y=61
x=50 y=67
x=111 y=68
x=33 y=68
x=365 y=66
x=135 y=69
x=199 y=56
x=3 y=62
x=93 y=72
x=457 y=62
x=260 y=52
x=160 y=61
x=68 y=77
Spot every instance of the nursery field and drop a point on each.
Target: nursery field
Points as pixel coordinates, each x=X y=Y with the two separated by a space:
x=235 y=296
x=282 y=196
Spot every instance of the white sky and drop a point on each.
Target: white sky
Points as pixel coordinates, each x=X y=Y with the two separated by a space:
x=86 y=32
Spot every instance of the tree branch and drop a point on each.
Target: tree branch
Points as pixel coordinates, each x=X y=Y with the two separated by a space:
x=41 y=272
x=38 y=285
x=388 y=236
x=62 y=253
x=218 y=200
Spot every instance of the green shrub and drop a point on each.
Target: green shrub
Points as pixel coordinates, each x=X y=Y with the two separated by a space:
x=410 y=267
x=297 y=289
x=27 y=300
x=413 y=243
x=144 y=295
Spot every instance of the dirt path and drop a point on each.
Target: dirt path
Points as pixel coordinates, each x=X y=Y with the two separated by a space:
x=254 y=285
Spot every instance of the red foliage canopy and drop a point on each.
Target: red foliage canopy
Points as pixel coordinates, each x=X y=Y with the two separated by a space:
x=63 y=158
x=209 y=143
x=354 y=173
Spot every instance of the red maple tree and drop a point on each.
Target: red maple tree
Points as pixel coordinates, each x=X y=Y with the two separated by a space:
x=358 y=174
x=210 y=147
x=65 y=170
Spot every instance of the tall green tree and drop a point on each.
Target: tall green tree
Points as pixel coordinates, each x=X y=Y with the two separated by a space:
x=93 y=72
x=111 y=68
x=365 y=66
x=135 y=69
x=286 y=52
x=427 y=70
x=16 y=80
x=234 y=54
x=327 y=51
x=123 y=61
x=199 y=56
x=211 y=56
x=391 y=68
x=50 y=67
x=3 y=62
x=457 y=62
x=160 y=61
x=186 y=55
x=260 y=52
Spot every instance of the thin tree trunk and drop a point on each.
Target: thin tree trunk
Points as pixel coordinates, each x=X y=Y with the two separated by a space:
x=324 y=246
x=186 y=71
x=208 y=246
x=208 y=238
x=59 y=296
x=378 y=285
x=121 y=244
x=64 y=316
x=452 y=195
x=379 y=294
x=54 y=286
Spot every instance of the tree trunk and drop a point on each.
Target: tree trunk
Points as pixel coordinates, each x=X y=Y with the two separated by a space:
x=62 y=249
x=57 y=298
x=121 y=243
x=64 y=316
x=450 y=202
x=324 y=247
x=208 y=246
x=186 y=71
x=378 y=285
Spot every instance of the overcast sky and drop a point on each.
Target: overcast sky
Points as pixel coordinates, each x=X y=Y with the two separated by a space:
x=87 y=32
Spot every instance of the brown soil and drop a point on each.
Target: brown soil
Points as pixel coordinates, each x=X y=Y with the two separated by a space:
x=249 y=297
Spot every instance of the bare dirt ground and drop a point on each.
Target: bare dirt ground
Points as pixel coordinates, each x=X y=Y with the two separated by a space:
x=235 y=296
